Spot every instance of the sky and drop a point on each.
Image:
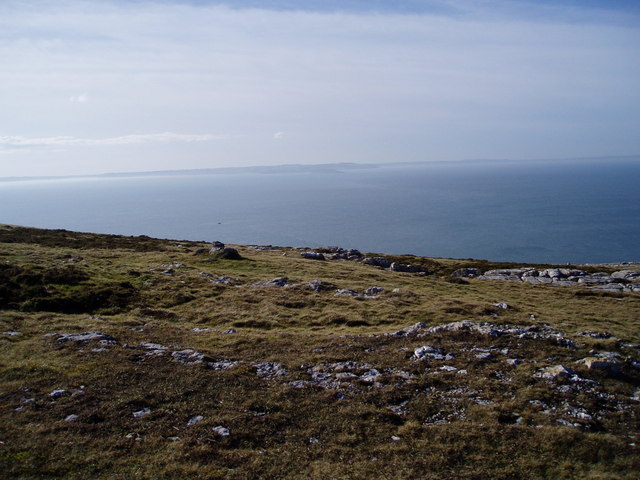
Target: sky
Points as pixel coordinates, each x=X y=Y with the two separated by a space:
x=91 y=86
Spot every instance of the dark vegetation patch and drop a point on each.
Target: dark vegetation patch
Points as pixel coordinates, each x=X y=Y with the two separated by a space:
x=597 y=293
x=111 y=298
x=67 y=239
x=64 y=289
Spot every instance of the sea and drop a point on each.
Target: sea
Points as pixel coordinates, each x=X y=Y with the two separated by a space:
x=569 y=211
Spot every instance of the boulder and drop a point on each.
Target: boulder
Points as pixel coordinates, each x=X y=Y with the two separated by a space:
x=626 y=274
x=609 y=364
x=401 y=267
x=216 y=247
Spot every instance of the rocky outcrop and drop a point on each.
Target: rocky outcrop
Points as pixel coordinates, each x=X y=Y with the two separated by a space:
x=377 y=262
x=619 y=281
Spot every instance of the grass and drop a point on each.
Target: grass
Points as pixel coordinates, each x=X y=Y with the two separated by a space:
x=416 y=420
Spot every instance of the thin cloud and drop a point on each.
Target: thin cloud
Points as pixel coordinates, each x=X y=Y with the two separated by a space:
x=83 y=98
x=278 y=135
x=67 y=141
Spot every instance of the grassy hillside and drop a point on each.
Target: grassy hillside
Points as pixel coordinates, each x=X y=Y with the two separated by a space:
x=192 y=367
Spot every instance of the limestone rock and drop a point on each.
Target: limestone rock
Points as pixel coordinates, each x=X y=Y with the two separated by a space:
x=194 y=420
x=216 y=247
x=87 y=337
x=377 y=262
x=187 y=356
x=555 y=372
x=221 y=431
x=467 y=273
x=270 y=370
x=312 y=255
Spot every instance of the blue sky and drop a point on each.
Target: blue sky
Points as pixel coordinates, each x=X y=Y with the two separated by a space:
x=98 y=86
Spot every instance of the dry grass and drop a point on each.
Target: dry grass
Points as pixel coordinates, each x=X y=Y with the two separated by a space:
x=415 y=421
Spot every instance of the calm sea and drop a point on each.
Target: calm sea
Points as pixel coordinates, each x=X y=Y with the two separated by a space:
x=556 y=212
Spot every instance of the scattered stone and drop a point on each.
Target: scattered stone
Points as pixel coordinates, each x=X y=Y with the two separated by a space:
x=412 y=330
x=221 y=431
x=142 y=413
x=225 y=281
x=71 y=418
x=222 y=364
x=319 y=285
x=172 y=265
x=194 y=420
x=201 y=330
x=501 y=305
x=395 y=438
x=347 y=292
x=372 y=291
x=270 y=370
x=11 y=333
x=535 y=332
x=370 y=376
x=275 y=282
x=188 y=356
x=173 y=439
x=429 y=351
x=448 y=368
x=86 y=337
x=484 y=356
x=58 y=394
x=313 y=440
x=200 y=251
x=555 y=372
x=230 y=331
x=513 y=361
x=592 y=334
x=312 y=255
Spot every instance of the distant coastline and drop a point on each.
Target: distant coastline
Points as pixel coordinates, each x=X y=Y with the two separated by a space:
x=314 y=168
